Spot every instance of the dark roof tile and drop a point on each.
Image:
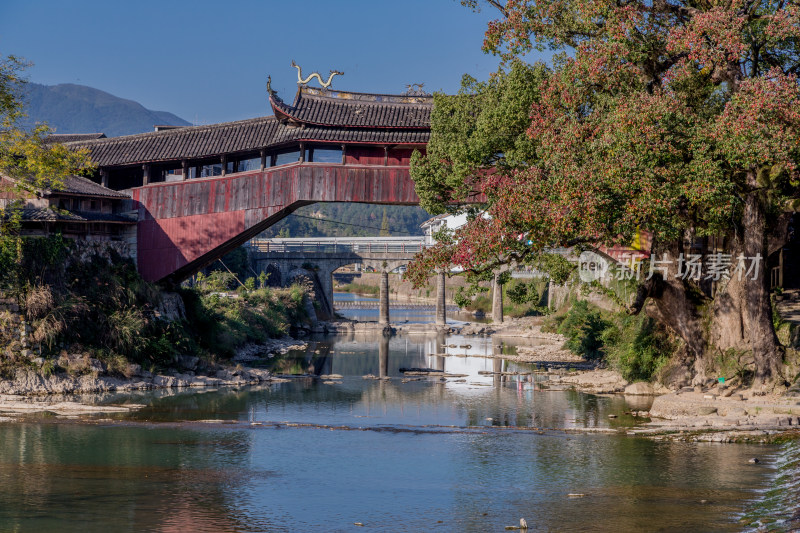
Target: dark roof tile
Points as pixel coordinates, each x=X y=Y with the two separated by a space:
x=356 y=110
x=45 y=214
x=72 y=137
x=86 y=187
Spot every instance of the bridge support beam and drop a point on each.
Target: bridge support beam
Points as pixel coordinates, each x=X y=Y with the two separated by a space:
x=497 y=299
x=441 y=306
x=383 y=305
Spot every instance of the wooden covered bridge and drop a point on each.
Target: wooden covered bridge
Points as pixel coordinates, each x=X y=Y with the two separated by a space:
x=201 y=191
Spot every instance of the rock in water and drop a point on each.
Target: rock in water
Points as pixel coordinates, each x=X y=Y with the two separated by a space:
x=754 y=460
x=523 y=524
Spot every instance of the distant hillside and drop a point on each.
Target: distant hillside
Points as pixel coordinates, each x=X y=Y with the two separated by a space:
x=349 y=220
x=70 y=108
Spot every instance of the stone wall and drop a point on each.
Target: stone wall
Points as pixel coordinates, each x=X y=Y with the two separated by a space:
x=13 y=328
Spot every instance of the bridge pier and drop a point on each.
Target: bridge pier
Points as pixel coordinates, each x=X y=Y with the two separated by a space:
x=383 y=305
x=497 y=299
x=441 y=306
x=325 y=277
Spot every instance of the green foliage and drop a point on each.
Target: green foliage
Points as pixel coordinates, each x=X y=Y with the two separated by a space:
x=583 y=327
x=481 y=127
x=733 y=363
x=220 y=325
x=217 y=281
x=637 y=346
x=522 y=293
x=556 y=266
x=235 y=263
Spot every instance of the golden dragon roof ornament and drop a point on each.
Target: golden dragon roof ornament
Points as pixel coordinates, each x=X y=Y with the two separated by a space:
x=324 y=84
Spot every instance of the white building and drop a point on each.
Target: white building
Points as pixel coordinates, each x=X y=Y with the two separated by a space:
x=432 y=225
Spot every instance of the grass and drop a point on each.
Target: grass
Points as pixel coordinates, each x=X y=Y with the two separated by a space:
x=99 y=307
x=360 y=288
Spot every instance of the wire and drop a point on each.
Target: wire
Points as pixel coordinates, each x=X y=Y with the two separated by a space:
x=355 y=225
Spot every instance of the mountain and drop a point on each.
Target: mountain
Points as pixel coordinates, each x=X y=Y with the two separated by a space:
x=70 y=108
x=349 y=220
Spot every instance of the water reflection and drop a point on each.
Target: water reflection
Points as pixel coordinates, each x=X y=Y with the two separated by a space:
x=412 y=312
x=394 y=453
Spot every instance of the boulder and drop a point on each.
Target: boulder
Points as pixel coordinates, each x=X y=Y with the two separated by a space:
x=96 y=366
x=640 y=388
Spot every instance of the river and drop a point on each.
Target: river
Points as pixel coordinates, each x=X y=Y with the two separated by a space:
x=474 y=453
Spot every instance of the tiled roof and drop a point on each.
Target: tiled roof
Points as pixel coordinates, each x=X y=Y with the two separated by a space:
x=355 y=110
x=45 y=214
x=72 y=137
x=232 y=137
x=79 y=185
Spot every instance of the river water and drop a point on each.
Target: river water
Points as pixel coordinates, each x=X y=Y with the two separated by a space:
x=473 y=453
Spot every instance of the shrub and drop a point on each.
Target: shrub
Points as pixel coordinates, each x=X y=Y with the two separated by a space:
x=637 y=346
x=583 y=327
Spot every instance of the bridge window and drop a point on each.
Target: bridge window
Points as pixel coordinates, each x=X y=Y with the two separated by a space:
x=172 y=174
x=243 y=165
x=125 y=178
x=324 y=155
x=214 y=169
x=284 y=158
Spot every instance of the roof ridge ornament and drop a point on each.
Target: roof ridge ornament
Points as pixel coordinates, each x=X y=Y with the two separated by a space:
x=415 y=89
x=269 y=86
x=304 y=82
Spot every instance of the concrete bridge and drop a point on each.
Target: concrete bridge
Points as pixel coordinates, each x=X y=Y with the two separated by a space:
x=281 y=257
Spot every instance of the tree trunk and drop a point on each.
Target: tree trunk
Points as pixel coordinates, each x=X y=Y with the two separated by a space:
x=757 y=315
x=677 y=305
x=740 y=315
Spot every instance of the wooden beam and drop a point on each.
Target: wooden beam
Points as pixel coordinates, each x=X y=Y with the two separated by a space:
x=386 y=156
x=263 y=158
x=224 y=159
x=145 y=174
x=104 y=177
x=185 y=169
x=302 y=152
x=344 y=154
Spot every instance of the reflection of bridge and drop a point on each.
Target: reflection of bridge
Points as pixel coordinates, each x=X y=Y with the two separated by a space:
x=281 y=258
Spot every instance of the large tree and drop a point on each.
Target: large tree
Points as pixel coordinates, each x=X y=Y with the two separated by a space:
x=679 y=117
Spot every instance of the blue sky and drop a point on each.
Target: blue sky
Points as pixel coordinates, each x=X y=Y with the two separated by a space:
x=208 y=61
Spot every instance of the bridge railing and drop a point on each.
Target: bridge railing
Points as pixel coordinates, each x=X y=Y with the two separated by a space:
x=331 y=246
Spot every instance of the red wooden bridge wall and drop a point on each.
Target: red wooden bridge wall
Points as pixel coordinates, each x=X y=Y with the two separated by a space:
x=185 y=225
